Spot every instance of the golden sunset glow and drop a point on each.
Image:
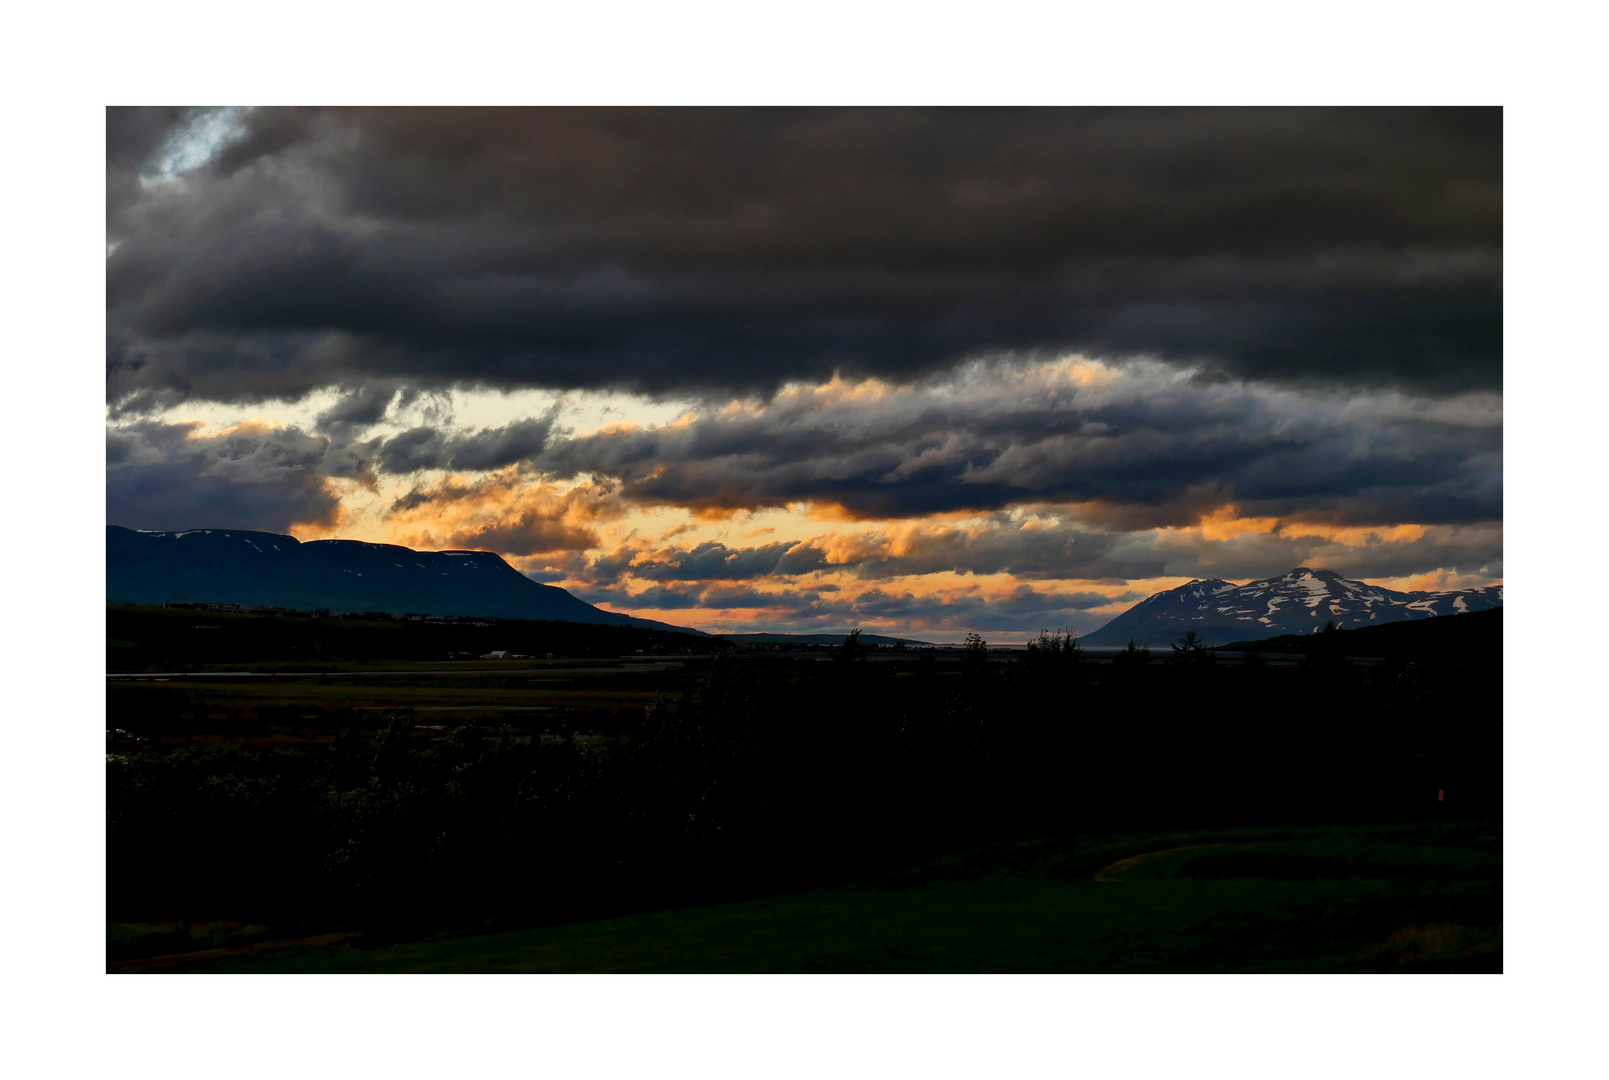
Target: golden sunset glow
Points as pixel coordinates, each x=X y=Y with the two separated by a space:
x=979 y=423
x=728 y=561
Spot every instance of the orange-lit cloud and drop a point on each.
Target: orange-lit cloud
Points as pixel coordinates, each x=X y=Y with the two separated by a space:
x=838 y=501
x=507 y=512
x=1225 y=523
x=1438 y=580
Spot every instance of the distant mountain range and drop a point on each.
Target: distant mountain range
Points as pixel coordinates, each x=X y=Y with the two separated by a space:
x=1298 y=602
x=272 y=570
x=266 y=569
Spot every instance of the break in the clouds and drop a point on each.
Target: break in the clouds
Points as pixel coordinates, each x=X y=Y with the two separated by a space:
x=813 y=367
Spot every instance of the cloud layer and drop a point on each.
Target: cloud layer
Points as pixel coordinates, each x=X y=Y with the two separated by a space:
x=274 y=252
x=1148 y=443
x=254 y=475
x=955 y=369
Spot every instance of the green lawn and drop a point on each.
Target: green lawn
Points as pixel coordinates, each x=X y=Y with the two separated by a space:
x=1378 y=898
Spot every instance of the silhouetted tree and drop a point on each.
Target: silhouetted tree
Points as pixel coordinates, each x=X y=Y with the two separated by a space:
x=1191 y=651
x=1053 y=653
x=851 y=650
x=1131 y=658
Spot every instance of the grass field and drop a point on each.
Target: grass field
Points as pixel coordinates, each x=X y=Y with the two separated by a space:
x=203 y=709
x=376 y=692
x=1410 y=897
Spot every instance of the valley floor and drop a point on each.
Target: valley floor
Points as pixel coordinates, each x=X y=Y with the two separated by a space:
x=1423 y=896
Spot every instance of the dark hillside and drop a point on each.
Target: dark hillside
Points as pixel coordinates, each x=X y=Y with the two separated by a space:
x=1475 y=631
x=266 y=569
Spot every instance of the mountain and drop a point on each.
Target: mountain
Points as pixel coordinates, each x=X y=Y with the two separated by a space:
x=1298 y=602
x=267 y=569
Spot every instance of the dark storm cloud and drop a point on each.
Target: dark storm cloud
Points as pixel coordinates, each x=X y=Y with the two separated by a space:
x=414 y=449
x=1153 y=448
x=167 y=476
x=133 y=137
x=658 y=597
x=1060 y=551
x=490 y=448
x=357 y=410
x=730 y=598
x=1475 y=551
x=719 y=250
x=1000 y=547
x=712 y=560
x=1023 y=608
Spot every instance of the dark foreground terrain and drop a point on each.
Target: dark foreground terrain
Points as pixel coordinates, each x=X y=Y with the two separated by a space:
x=874 y=809
x=1421 y=897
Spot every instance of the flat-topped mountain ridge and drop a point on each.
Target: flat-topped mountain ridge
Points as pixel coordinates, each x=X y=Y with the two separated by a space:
x=272 y=570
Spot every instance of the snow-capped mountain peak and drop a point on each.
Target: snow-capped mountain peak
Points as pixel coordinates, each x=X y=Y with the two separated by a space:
x=1298 y=601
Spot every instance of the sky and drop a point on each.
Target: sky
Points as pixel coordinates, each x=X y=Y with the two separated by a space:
x=919 y=371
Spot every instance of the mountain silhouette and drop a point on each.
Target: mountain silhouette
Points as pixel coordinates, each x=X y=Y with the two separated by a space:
x=271 y=570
